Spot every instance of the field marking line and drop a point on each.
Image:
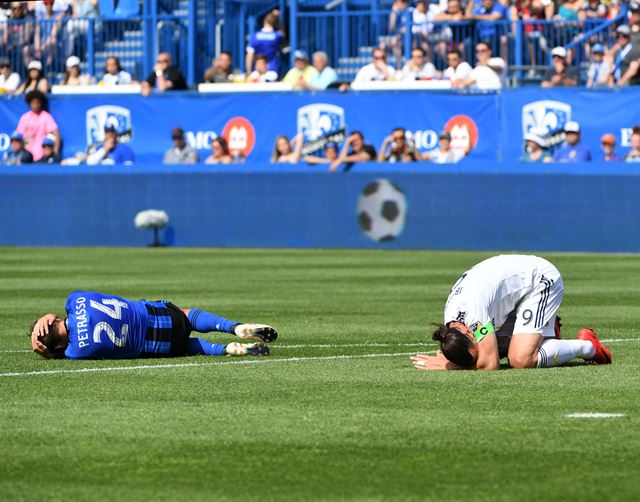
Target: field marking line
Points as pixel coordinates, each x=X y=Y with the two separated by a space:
x=188 y=365
x=595 y=415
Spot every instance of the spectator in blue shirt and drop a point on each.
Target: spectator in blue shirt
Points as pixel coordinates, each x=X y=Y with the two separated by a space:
x=266 y=42
x=18 y=155
x=111 y=152
x=572 y=150
x=325 y=76
x=487 y=14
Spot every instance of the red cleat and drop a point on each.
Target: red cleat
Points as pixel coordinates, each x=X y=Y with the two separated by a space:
x=602 y=354
x=556 y=328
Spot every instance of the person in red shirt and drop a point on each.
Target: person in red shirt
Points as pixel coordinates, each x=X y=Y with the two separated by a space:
x=35 y=124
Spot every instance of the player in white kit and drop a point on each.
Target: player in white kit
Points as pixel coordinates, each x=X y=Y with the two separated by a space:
x=511 y=299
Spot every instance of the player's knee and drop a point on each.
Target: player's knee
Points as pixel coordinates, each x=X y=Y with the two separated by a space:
x=522 y=361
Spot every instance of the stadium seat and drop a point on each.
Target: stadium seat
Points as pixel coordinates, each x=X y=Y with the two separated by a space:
x=107 y=7
x=127 y=8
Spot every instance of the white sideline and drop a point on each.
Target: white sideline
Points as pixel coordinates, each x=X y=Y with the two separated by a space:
x=595 y=415
x=188 y=365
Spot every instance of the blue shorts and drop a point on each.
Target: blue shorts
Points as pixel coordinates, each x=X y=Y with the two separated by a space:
x=168 y=330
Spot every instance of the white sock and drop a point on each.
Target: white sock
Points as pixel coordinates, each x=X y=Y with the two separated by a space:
x=554 y=352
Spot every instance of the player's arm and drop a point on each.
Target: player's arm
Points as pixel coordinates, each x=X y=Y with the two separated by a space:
x=41 y=328
x=488 y=354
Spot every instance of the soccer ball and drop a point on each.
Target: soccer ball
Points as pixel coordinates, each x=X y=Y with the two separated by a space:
x=382 y=209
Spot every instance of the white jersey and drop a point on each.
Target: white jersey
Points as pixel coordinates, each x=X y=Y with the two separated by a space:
x=495 y=287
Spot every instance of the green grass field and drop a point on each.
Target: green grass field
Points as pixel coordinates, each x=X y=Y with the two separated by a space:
x=337 y=411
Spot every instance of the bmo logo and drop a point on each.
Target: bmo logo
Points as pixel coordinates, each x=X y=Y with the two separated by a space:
x=240 y=135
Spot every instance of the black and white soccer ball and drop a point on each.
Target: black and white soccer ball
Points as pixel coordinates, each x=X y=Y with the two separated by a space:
x=382 y=210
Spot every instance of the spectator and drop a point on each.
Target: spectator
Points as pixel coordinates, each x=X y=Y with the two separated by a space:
x=47 y=29
x=535 y=147
x=486 y=74
x=17 y=155
x=220 y=153
x=488 y=13
x=114 y=74
x=59 y=7
x=376 y=70
x=9 y=81
x=35 y=80
x=401 y=150
x=398 y=19
x=35 y=124
x=634 y=154
x=73 y=74
x=570 y=10
x=594 y=9
x=452 y=13
x=78 y=25
x=599 y=69
x=628 y=58
x=572 y=151
x=444 y=154
x=18 y=37
x=325 y=76
x=181 y=152
x=634 y=12
x=302 y=71
x=530 y=11
x=221 y=70
x=165 y=76
x=330 y=154
x=262 y=73
x=608 y=144
x=418 y=68
x=354 y=150
x=422 y=27
x=285 y=151
x=561 y=74
x=111 y=151
x=266 y=42
x=458 y=69
x=49 y=156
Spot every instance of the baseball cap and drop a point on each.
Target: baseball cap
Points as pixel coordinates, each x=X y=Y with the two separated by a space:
x=17 y=135
x=331 y=144
x=110 y=128
x=535 y=136
x=72 y=61
x=608 y=138
x=597 y=49
x=35 y=65
x=623 y=30
x=4 y=62
x=444 y=135
x=300 y=55
x=177 y=132
x=572 y=126
x=634 y=7
x=49 y=140
x=559 y=51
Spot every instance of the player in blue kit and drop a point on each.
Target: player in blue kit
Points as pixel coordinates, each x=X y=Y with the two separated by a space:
x=100 y=326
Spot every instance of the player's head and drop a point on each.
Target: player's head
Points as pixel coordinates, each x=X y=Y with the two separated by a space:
x=457 y=344
x=56 y=340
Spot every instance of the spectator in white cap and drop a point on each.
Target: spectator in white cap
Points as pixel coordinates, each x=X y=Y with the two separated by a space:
x=561 y=73
x=49 y=156
x=627 y=70
x=535 y=147
x=377 y=70
x=599 y=69
x=35 y=80
x=572 y=150
x=302 y=71
x=488 y=72
x=73 y=74
x=9 y=81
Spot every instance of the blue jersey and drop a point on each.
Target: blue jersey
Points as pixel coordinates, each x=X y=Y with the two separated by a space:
x=266 y=43
x=105 y=326
x=575 y=153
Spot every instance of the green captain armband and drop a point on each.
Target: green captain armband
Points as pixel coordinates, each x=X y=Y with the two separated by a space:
x=483 y=331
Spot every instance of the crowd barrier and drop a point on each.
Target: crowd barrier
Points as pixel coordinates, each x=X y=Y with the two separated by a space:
x=491 y=126
x=476 y=206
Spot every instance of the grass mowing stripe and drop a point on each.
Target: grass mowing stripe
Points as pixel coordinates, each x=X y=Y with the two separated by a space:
x=189 y=365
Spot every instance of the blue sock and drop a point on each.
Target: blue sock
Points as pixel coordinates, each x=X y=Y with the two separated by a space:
x=204 y=322
x=198 y=346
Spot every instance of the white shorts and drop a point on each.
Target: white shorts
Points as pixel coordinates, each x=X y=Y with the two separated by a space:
x=536 y=312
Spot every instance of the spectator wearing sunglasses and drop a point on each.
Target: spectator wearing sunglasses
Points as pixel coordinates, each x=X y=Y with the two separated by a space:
x=378 y=69
x=397 y=148
x=165 y=76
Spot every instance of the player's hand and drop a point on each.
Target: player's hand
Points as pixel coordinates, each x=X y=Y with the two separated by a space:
x=425 y=362
x=41 y=328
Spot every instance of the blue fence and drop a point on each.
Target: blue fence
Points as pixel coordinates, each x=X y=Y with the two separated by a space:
x=476 y=207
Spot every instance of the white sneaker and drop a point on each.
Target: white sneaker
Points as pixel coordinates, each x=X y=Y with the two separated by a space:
x=246 y=349
x=256 y=332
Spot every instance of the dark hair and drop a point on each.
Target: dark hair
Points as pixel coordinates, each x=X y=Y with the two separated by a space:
x=359 y=134
x=49 y=340
x=455 y=51
x=28 y=79
x=484 y=42
x=260 y=56
x=223 y=144
x=227 y=53
x=36 y=94
x=118 y=66
x=271 y=19
x=455 y=345
x=419 y=49
x=401 y=129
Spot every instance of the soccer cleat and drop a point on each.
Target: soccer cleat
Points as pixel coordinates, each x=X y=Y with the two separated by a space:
x=602 y=354
x=246 y=349
x=256 y=332
x=556 y=327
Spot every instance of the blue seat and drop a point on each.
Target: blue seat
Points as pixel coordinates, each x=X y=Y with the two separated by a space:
x=107 y=7
x=127 y=8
